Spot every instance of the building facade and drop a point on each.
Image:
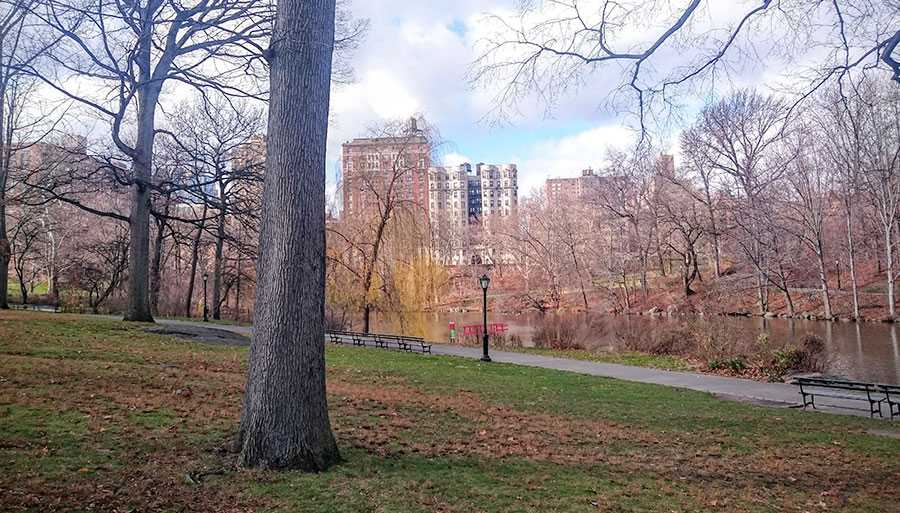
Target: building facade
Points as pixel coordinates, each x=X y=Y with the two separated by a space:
x=562 y=191
x=465 y=204
x=372 y=167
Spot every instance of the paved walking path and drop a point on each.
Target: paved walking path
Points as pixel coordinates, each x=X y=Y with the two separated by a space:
x=771 y=394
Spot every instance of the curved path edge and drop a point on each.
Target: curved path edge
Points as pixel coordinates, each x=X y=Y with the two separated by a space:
x=743 y=390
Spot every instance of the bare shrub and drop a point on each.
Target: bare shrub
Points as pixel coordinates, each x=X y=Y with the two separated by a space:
x=558 y=333
x=775 y=363
x=663 y=339
x=811 y=354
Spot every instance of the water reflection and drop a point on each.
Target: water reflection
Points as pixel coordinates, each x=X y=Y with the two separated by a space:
x=856 y=351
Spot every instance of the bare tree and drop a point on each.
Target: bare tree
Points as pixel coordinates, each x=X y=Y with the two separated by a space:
x=538 y=257
x=659 y=49
x=571 y=227
x=386 y=204
x=213 y=135
x=15 y=92
x=26 y=241
x=625 y=194
x=839 y=123
x=685 y=223
x=807 y=208
x=878 y=116
x=102 y=263
x=134 y=50
x=285 y=423
x=740 y=137
x=697 y=177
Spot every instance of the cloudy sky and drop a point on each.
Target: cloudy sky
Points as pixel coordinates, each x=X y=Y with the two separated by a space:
x=415 y=60
x=417 y=55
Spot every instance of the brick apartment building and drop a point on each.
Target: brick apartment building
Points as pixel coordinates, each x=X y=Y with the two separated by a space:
x=561 y=191
x=370 y=164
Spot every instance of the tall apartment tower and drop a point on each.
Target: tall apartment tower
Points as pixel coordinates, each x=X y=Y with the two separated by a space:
x=499 y=190
x=462 y=204
x=369 y=165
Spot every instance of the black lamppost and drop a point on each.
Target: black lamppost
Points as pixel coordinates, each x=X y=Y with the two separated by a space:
x=205 y=305
x=485 y=282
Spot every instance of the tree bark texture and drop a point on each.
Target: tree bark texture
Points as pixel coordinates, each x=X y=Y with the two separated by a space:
x=284 y=423
x=139 y=221
x=5 y=254
x=5 y=250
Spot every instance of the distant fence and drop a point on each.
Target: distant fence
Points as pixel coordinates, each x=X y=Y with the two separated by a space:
x=497 y=328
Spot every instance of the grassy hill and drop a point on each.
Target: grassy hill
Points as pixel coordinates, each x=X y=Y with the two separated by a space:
x=15 y=294
x=97 y=415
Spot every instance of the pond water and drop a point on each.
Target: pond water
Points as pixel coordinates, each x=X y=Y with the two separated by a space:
x=867 y=351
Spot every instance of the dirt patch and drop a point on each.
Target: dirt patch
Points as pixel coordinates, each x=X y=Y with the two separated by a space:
x=202 y=335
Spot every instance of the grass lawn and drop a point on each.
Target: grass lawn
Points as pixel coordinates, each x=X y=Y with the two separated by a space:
x=97 y=415
x=624 y=358
x=15 y=293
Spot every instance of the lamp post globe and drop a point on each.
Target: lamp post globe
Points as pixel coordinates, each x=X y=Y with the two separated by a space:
x=485 y=282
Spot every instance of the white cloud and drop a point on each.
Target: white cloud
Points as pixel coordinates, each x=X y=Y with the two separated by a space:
x=455 y=159
x=388 y=97
x=567 y=156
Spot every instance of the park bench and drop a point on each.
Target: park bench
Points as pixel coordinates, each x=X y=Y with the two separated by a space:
x=402 y=343
x=810 y=388
x=417 y=344
x=384 y=341
x=359 y=339
x=337 y=337
x=892 y=398
x=389 y=342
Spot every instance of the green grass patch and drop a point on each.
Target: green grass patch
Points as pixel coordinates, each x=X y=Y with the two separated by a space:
x=153 y=419
x=98 y=415
x=15 y=292
x=48 y=444
x=623 y=358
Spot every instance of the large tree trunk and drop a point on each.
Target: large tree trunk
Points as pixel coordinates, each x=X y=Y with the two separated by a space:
x=139 y=254
x=5 y=254
x=284 y=423
x=5 y=250
x=139 y=222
